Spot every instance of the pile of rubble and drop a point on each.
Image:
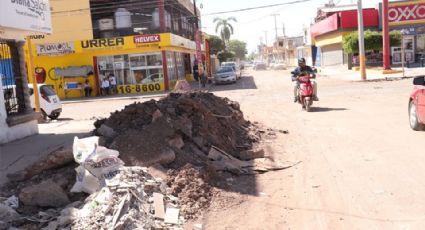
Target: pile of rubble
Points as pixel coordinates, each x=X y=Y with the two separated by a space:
x=191 y=137
x=177 y=130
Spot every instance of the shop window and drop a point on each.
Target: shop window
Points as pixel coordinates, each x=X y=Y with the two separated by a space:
x=421 y=44
x=11 y=79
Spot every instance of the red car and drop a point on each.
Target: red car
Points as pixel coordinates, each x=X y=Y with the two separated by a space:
x=417 y=105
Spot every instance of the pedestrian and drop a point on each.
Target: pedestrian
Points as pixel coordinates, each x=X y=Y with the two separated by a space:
x=196 y=71
x=105 y=86
x=87 y=88
x=113 y=83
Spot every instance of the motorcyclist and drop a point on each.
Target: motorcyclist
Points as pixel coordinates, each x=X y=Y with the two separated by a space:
x=303 y=68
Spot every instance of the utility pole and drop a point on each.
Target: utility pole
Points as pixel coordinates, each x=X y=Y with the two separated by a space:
x=275 y=24
x=361 y=41
x=198 y=44
x=386 y=35
x=265 y=34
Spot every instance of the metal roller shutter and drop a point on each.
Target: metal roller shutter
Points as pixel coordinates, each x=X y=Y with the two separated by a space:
x=332 y=55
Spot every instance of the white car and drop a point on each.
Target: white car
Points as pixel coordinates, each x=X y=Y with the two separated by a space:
x=235 y=67
x=50 y=104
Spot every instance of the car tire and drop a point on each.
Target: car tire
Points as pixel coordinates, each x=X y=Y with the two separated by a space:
x=54 y=116
x=413 y=118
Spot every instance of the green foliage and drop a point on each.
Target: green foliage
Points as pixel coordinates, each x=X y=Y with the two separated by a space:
x=238 y=48
x=373 y=41
x=216 y=44
x=225 y=56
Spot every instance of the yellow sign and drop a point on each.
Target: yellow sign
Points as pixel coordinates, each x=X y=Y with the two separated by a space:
x=141 y=88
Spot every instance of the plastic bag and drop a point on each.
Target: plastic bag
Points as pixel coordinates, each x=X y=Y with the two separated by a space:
x=83 y=148
x=85 y=182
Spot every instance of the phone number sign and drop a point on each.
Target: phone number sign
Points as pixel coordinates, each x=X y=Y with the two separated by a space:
x=140 y=88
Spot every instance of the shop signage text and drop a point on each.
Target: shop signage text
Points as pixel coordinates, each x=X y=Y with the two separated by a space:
x=147 y=38
x=102 y=43
x=26 y=15
x=407 y=12
x=55 y=49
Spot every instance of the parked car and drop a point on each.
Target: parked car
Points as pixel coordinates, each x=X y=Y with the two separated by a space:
x=50 y=104
x=260 y=66
x=417 y=104
x=235 y=67
x=153 y=78
x=225 y=74
x=279 y=66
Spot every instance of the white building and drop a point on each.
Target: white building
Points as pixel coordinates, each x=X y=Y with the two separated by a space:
x=18 y=19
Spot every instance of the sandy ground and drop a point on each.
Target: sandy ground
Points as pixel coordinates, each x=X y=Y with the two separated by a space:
x=361 y=165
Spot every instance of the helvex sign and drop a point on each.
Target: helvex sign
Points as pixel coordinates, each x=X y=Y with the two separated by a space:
x=411 y=12
x=147 y=38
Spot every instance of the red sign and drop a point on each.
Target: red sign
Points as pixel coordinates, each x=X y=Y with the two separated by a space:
x=407 y=12
x=147 y=38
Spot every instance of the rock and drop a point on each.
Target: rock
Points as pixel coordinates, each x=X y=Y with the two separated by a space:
x=4 y=225
x=252 y=154
x=199 y=141
x=176 y=142
x=45 y=194
x=158 y=171
x=106 y=131
x=52 y=226
x=54 y=160
x=198 y=226
x=65 y=220
x=157 y=114
x=7 y=214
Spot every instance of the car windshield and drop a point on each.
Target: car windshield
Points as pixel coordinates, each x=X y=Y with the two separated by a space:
x=225 y=70
x=47 y=90
x=230 y=64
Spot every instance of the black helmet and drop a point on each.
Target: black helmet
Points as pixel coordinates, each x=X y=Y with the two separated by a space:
x=301 y=60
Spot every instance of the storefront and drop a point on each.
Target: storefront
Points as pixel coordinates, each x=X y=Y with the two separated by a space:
x=140 y=64
x=409 y=18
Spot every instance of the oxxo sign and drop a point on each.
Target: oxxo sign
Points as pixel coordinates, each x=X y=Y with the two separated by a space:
x=407 y=12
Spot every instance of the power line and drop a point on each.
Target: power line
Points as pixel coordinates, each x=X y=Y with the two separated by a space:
x=256 y=8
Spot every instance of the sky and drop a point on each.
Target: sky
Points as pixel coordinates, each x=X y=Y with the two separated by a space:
x=252 y=24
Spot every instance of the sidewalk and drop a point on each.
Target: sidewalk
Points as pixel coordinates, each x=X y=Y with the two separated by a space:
x=373 y=74
x=113 y=97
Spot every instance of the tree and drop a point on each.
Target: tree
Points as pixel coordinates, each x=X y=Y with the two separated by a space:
x=238 y=48
x=373 y=41
x=225 y=56
x=226 y=29
x=216 y=44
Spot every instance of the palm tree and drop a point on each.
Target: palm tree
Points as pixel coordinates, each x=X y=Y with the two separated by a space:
x=226 y=29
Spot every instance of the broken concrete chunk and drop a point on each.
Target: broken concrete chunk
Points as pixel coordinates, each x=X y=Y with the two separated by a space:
x=52 y=226
x=159 y=205
x=8 y=214
x=252 y=154
x=45 y=194
x=106 y=131
x=177 y=142
x=157 y=114
x=172 y=216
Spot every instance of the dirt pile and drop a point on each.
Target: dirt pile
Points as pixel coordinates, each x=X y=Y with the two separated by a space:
x=191 y=187
x=177 y=130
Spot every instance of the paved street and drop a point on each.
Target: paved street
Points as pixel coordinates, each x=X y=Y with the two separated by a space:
x=361 y=165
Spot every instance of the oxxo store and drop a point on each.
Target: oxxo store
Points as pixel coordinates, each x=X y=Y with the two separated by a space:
x=140 y=64
x=408 y=17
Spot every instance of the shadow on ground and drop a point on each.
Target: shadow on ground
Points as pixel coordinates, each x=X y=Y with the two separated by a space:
x=326 y=109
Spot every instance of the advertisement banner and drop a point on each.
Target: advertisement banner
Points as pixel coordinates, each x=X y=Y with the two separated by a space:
x=27 y=15
x=55 y=49
x=408 y=12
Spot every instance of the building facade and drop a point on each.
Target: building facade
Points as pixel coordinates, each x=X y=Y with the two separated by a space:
x=146 y=45
x=330 y=28
x=18 y=19
x=409 y=18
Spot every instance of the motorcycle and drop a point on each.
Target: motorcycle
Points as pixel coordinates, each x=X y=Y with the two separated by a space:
x=305 y=93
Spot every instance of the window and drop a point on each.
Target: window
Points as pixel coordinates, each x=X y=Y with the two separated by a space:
x=12 y=84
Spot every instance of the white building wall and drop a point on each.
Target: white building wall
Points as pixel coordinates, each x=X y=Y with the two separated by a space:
x=8 y=134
